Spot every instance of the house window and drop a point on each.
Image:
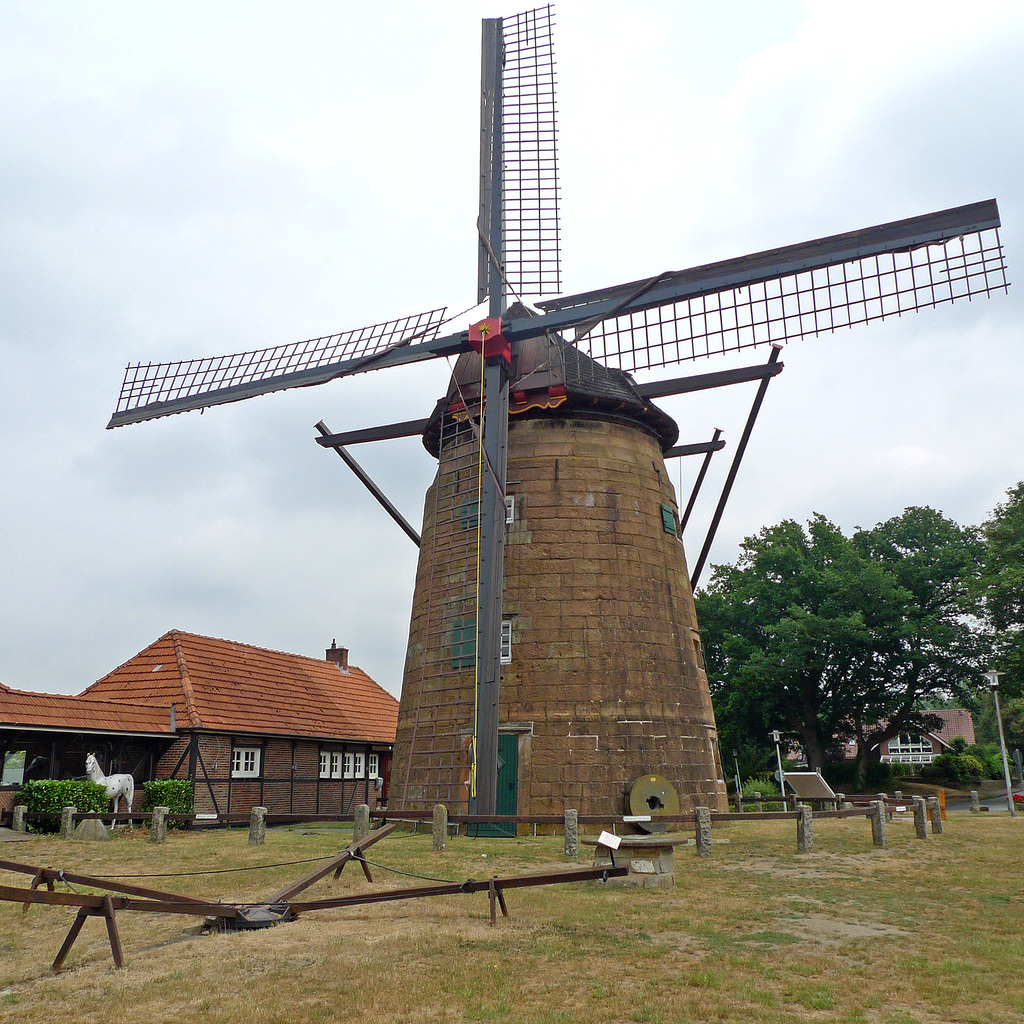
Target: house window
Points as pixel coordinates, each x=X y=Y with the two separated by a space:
x=349 y=766
x=464 y=643
x=359 y=764
x=668 y=520
x=245 y=762
x=373 y=765
x=510 y=508
x=506 y=641
x=325 y=765
x=13 y=768
x=335 y=766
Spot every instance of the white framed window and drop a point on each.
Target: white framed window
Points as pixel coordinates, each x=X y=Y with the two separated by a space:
x=245 y=762
x=506 y=641
x=359 y=764
x=325 y=765
x=335 y=765
x=510 y=508
x=373 y=765
x=349 y=765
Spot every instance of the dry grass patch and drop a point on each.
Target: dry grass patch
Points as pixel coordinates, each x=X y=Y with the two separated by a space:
x=922 y=931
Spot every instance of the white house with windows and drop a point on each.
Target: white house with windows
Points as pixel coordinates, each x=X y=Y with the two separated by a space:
x=923 y=748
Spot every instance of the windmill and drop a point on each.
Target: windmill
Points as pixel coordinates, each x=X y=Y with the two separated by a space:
x=597 y=338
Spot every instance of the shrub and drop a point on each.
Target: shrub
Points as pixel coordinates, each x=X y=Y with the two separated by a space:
x=175 y=794
x=955 y=769
x=53 y=795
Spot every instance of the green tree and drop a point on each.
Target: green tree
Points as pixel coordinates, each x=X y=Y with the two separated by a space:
x=830 y=638
x=1001 y=585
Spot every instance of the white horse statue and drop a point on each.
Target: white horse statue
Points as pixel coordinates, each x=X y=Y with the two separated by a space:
x=117 y=786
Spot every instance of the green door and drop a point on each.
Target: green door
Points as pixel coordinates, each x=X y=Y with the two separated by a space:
x=507 y=795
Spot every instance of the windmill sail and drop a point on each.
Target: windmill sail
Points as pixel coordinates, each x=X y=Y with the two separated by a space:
x=524 y=116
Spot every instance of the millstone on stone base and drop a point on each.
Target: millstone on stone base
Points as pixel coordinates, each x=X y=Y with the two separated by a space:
x=649 y=859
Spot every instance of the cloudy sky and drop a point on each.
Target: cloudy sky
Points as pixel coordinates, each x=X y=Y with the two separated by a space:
x=188 y=179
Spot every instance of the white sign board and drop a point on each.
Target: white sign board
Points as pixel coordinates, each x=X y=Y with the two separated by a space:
x=609 y=839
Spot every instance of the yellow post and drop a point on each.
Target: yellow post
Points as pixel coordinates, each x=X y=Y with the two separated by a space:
x=942 y=803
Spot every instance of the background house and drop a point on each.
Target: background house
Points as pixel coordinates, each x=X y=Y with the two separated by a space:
x=923 y=748
x=248 y=725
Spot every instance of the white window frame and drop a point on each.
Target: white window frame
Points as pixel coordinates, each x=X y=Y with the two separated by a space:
x=245 y=762
x=510 y=508
x=373 y=765
x=348 y=760
x=359 y=765
x=336 y=762
x=325 y=764
x=506 y=641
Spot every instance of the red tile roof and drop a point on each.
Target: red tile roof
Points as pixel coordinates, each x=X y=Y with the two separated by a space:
x=955 y=722
x=53 y=711
x=225 y=686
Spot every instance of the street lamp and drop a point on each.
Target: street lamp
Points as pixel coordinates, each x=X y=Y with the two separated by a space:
x=782 y=778
x=993 y=684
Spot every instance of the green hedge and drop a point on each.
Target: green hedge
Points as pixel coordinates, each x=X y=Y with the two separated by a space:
x=53 y=795
x=175 y=794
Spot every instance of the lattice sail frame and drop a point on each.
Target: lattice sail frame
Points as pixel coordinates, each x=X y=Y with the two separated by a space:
x=247 y=374
x=796 y=305
x=530 y=195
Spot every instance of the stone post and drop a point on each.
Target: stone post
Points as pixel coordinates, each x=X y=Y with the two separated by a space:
x=920 y=820
x=158 y=824
x=757 y=801
x=440 y=830
x=935 y=813
x=572 y=834
x=739 y=802
x=899 y=796
x=361 y=822
x=67 y=822
x=975 y=806
x=18 y=823
x=703 y=831
x=840 y=804
x=804 y=829
x=257 y=826
x=878 y=822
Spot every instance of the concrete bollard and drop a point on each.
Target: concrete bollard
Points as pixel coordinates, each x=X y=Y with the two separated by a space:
x=739 y=802
x=361 y=822
x=804 y=829
x=898 y=794
x=67 y=822
x=572 y=834
x=703 y=831
x=878 y=822
x=975 y=806
x=840 y=804
x=935 y=813
x=18 y=822
x=757 y=801
x=257 y=826
x=440 y=828
x=158 y=824
x=920 y=819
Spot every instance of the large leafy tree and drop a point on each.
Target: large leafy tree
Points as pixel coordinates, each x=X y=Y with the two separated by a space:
x=832 y=638
x=1002 y=587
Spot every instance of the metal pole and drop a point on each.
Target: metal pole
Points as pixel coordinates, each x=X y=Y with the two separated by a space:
x=782 y=777
x=993 y=682
x=733 y=470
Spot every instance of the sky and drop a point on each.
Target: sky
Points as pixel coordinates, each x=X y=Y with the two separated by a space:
x=191 y=179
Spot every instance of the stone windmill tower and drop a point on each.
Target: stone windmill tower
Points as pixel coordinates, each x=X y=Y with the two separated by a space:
x=553 y=636
x=603 y=679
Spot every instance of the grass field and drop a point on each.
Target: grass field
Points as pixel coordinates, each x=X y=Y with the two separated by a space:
x=929 y=931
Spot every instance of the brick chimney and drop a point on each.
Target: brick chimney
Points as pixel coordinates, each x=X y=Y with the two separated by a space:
x=339 y=655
